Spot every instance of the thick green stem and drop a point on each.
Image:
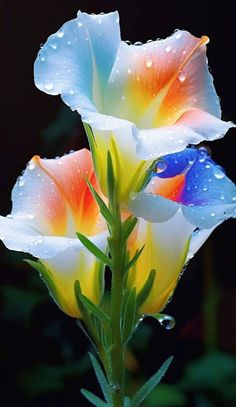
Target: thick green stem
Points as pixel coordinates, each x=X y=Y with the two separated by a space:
x=117 y=352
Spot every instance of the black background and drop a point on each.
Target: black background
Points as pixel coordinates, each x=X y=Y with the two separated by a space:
x=25 y=114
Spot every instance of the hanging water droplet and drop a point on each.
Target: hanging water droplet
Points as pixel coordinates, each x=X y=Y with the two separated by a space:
x=148 y=41
x=138 y=43
x=161 y=166
x=166 y=321
x=218 y=172
x=181 y=77
x=128 y=42
x=31 y=166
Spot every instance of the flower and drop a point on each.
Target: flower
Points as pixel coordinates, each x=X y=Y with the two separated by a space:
x=51 y=202
x=178 y=210
x=141 y=101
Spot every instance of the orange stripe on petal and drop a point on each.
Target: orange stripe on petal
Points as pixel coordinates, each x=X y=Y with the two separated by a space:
x=69 y=174
x=170 y=188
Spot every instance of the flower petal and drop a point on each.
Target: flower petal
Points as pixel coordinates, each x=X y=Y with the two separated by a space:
x=166 y=247
x=76 y=61
x=198 y=238
x=190 y=179
x=53 y=197
x=193 y=127
x=151 y=85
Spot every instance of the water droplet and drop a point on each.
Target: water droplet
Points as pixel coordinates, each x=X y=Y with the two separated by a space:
x=166 y=321
x=60 y=33
x=21 y=182
x=138 y=43
x=178 y=35
x=48 y=85
x=148 y=41
x=191 y=160
x=53 y=45
x=167 y=49
x=218 y=172
x=128 y=42
x=202 y=156
x=204 y=188
x=31 y=166
x=80 y=24
x=207 y=166
x=31 y=216
x=181 y=77
x=68 y=42
x=148 y=62
x=42 y=57
x=161 y=166
x=234 y=198
x=212 y=214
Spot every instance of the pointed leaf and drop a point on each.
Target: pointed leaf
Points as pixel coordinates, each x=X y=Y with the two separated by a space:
x=94 y=249
x=91 y=307
x=150 y=385
x=128 y=226
x=145 y=291
x=102 y=206
x=101 y=379
x=129 y=316
x=135 y=258
x=111 y=182
x=95 y=400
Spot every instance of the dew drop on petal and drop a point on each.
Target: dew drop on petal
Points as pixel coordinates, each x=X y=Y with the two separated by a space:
x=60 y=33
x=218 y=172
x=181 y=77
x=48 y=85
x=167 y=49
x=149 y=63
x=138 y=43
x=161 y=166
x=21 y=182
x=80 y=24
x=31 y=166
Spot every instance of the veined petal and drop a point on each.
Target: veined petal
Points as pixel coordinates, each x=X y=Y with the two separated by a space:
x=76 y=61
x=193 y=127
x=166 y=248
x=154 y=83
x=53 y=196
x=65 y=258
x=194 y=182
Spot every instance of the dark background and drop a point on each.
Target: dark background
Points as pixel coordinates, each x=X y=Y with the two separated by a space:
x=38 y=342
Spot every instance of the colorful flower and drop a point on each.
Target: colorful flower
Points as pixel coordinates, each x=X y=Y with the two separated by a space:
x=51 y=202
x=186 y=199
x=141 y=101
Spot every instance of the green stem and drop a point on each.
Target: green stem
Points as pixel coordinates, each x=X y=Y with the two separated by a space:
x=117 y=352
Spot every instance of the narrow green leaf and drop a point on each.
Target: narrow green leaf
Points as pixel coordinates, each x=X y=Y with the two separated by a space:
x=128 y=226
x=145 y=291
x=135 y=258
x=150 y=385
x=110 y=182
x=101 y=379
x=91 y=307
x=129 y=316
x=94 y=249
x=95 y=400
x=102 y=206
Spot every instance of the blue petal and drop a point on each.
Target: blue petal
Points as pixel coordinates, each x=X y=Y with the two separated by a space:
x=76 y=61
